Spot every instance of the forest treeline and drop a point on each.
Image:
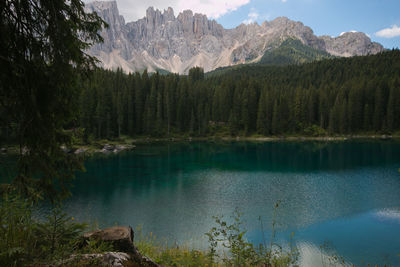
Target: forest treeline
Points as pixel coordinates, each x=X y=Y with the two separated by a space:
x=336 y=96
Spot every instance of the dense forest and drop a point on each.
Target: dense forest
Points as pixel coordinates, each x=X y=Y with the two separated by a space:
x=335 y=96
x=359 y=95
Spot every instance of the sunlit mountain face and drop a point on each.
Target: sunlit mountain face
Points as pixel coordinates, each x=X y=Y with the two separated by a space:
x=162 y=41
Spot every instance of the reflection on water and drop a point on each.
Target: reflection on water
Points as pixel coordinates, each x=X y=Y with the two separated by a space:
x=389 y=214
x=345 y=193
x=312 y=255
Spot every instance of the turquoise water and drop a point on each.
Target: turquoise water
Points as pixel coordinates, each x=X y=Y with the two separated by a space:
x=344 y=195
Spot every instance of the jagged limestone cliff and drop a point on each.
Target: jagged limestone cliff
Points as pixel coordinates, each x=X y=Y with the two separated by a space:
x=162 y=40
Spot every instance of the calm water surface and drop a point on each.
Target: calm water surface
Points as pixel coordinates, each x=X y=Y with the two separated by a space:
x=344 y=196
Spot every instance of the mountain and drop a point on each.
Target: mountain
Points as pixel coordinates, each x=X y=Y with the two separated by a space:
x=163 y=41
x=292 y=51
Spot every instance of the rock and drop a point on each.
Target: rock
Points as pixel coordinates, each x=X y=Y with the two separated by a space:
x=120 y=237
x=162 y=41
x=3 y=150
x=80 y=150
x=119 y=148
x=115 y=149
x=25 y=151
x=350 y=44
x=66 y=149
x=108 y=147
x=113 y=259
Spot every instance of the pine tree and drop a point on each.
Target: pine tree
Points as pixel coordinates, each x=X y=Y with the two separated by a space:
x=42 y=51
x=380 y=104
x=159 y=116
x=276 y=119
x=343 y=119
x=355 y=107
x=252 y=105
x=139 y=102
x=367 y=117
x=390 y=110
x=262 y=114
x=192 y=123
x=298 y=109
x=130 y=116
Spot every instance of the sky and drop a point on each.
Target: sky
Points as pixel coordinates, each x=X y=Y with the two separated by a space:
x=379 y=19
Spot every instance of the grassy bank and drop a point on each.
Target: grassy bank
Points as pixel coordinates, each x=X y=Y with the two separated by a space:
x=56 y=240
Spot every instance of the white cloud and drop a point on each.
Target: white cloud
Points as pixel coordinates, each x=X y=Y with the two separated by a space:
x=394 y=31
x=136 y=9
x=211 y=8
x=353 y=31
x=284 y=1
x=252 y=16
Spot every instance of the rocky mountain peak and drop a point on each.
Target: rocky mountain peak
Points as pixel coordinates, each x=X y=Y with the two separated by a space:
x=169 y=14
x=351 y=43
x=281 y=21
x=185 y=15
x=102 y=5
x=154 y=18
x=162 y=41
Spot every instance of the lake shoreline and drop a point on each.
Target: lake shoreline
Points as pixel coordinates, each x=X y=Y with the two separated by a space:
x=132 y=141
x=264 y=138
x=128 y=143
x=148 y=140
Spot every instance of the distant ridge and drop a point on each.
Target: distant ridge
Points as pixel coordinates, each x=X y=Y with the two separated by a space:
x=292 y=51
x=175 y=44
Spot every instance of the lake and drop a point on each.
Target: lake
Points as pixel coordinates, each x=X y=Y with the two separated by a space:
x=343 y=196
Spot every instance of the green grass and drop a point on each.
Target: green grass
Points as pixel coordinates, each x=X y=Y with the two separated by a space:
x=169 y=255
x=227 y=247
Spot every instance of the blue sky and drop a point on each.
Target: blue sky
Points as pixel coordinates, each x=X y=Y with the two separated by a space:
x=327 y=17
x=380 y=19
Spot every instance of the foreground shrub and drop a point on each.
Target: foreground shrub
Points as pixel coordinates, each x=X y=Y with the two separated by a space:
x=26 y=241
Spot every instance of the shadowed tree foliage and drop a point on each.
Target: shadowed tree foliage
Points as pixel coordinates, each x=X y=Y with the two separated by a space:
x=42 y=48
